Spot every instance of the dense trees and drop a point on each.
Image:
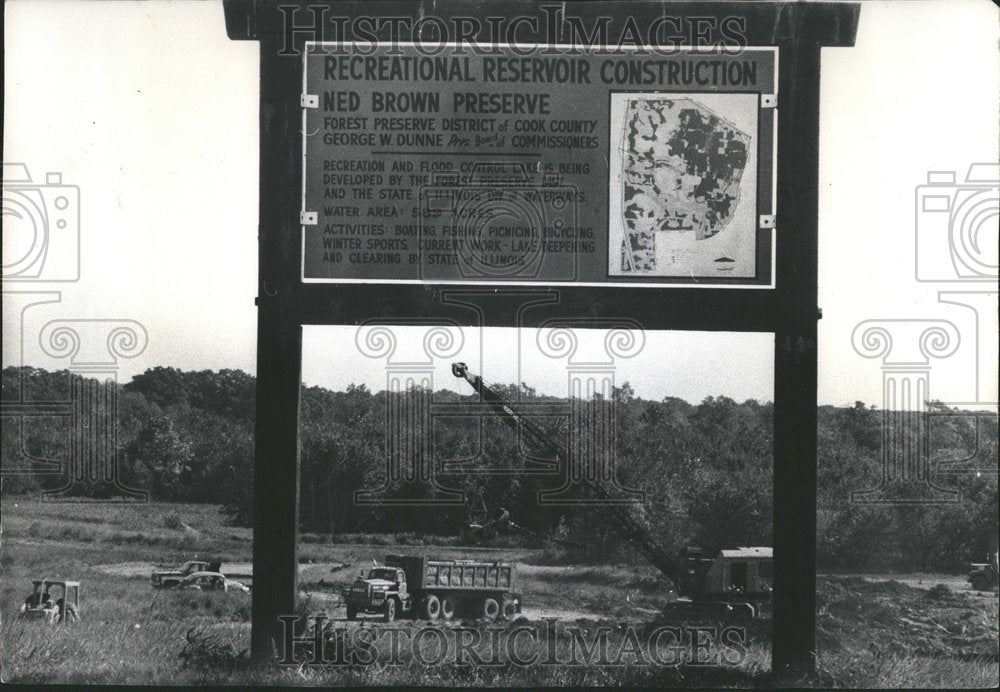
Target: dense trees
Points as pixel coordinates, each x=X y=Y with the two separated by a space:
x=705 y=469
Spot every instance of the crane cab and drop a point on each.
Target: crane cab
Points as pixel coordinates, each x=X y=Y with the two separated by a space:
x=735 y=574
x=744 y=571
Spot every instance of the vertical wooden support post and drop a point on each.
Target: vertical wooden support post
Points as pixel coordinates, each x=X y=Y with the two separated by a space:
x=279 y=352
x=276 y=480
x=794 y=622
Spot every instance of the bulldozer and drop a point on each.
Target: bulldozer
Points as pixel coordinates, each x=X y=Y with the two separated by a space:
x=725 y=581
x=52 y=600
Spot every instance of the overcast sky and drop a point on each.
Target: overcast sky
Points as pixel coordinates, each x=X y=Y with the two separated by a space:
x=152 y=112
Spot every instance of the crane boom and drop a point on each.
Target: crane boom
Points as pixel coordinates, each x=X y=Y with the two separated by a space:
x=622 y=518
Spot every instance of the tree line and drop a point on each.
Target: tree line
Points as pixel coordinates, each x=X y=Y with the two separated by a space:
x=705 y=469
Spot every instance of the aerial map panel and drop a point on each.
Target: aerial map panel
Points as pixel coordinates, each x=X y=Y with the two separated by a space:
x=683 y=185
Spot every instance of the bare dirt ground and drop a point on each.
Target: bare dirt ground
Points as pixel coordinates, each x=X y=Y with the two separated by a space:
x=889 y=616
x=549 y=613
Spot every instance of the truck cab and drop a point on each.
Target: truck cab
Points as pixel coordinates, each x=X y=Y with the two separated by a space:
x=383 y=590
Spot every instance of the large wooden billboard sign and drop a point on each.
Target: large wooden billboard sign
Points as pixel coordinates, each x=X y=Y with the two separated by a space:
x=634 y=161
x=620 y=166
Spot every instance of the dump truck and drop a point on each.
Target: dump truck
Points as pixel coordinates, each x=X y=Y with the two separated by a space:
x=731 y=580
x=430 y=588
x=162 y=579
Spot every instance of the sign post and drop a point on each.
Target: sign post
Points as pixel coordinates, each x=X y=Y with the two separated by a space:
x=656 y=163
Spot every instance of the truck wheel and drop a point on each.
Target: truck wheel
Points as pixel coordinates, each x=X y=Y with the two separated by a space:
x=491 y=609
x=430 y=607
x=509 y=610
x=389 y=610
x=979 y=583
x=449 y=605
x=352 y=613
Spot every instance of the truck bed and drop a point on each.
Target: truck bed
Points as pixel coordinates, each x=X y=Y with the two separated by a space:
x=453 y=575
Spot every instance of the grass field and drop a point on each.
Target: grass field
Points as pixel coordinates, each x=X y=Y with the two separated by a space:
x=130 y=633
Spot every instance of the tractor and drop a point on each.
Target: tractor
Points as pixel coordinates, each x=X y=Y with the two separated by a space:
x=52 y=600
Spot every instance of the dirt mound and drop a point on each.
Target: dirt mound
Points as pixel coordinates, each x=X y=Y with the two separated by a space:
x=942 y=594
x=939 y=592
x=889 y=617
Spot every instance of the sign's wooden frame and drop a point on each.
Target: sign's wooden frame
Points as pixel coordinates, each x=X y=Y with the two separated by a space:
x=789 y=311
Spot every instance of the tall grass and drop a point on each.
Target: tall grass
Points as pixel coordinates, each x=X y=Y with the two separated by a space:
x=873 y=670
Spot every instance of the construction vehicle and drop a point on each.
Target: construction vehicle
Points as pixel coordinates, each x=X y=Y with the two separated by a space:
x=478 y=524
x=52 y=600
x=211 y=581
x=983 y=576
x=428 y=588
x=163 y=579
x=734 y=581
x=738 y=579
